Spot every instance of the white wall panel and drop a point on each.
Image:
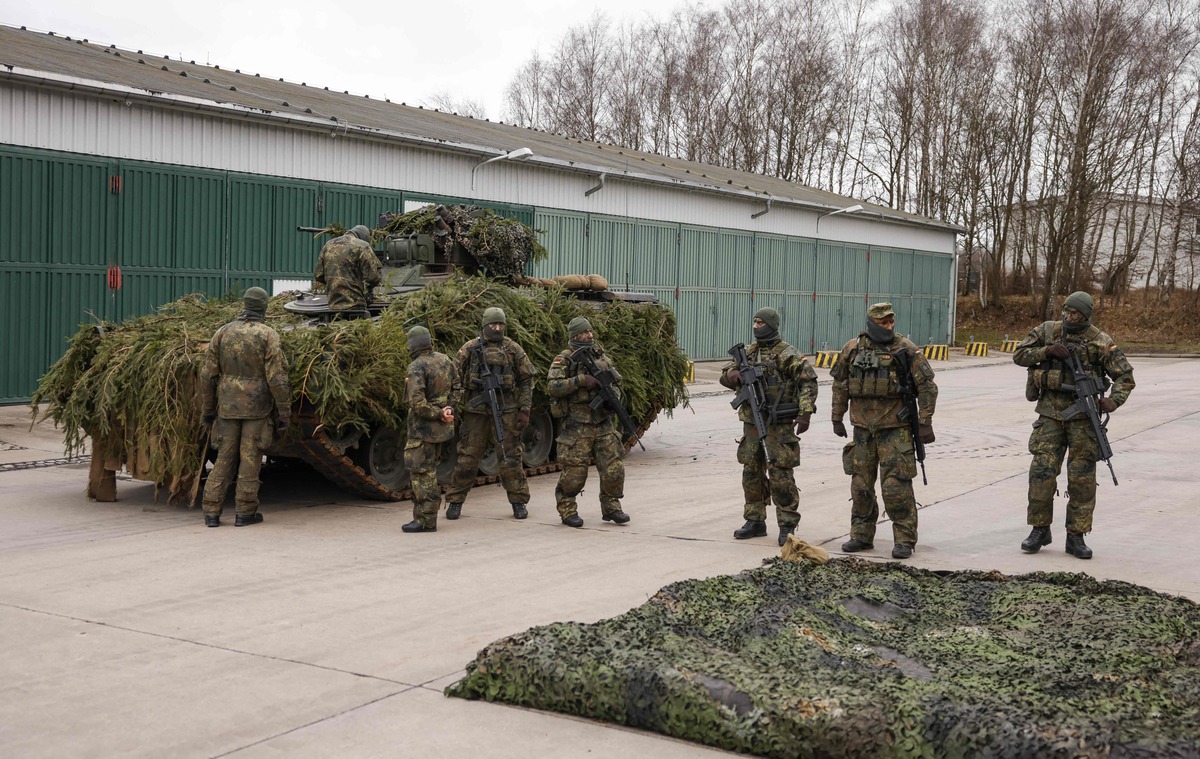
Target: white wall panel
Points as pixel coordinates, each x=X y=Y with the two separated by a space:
x=77 y=123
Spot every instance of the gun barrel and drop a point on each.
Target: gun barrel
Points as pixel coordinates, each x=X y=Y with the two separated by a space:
x=311 y=230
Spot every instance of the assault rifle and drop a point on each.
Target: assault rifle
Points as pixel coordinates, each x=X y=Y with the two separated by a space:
x=605 y=394
x=489 y=383
x=1087 y=391
x=752 y=392
x=908 y=393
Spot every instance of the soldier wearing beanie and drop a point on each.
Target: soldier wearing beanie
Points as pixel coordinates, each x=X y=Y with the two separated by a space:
x=1046 y=352
x=348 y=270
x=790 y=399
x=508 y=362
x=867 y=378
x=586 y=434
x=429 y=383
x=243 y=381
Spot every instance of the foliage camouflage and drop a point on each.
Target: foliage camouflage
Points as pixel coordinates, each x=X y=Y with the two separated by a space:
x=855 y=658
x=133 y=388
x=502 y=246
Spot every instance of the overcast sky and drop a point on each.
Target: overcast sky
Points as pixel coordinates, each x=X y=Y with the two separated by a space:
x=407 y=51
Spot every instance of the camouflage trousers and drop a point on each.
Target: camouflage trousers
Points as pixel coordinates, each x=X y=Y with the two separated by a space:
x=580 y=445
x=886 y=455
x=762 y=483
x=421 y=460
x=240 y=444
x=475 y=433
x=1049 y=443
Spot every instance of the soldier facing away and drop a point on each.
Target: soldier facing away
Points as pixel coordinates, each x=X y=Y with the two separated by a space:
x=587 y=434
x=429 y=383
x=507 y=361
x=1046 y=352
x=348 y=270
x=243 y=381
x=791 y=396
x=867 y=380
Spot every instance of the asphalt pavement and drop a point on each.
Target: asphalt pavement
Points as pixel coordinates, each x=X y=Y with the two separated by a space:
x=131 y=629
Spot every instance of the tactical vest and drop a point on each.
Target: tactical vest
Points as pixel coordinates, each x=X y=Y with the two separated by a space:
x=1050 y=375
x=499 y=360
x=873 y=371
x=783 y=392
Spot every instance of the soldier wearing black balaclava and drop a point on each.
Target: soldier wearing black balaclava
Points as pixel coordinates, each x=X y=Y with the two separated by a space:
x=791 y=397
x=1046 y=352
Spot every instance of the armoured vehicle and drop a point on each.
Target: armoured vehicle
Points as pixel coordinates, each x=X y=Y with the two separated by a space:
x=422 y=254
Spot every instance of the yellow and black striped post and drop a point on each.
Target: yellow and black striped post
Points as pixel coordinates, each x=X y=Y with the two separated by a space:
x=977 y=349
x=1009 y=346
x=826 y=359
x=937 y=352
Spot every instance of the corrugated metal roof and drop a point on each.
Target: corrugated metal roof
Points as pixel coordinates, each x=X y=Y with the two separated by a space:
x=51 y=60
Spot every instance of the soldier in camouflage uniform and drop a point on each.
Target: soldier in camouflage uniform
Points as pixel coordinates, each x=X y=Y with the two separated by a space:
x=791 y=399
x=866 y=379
x=244 y=379
x=508 y=361
x=349 y=270
x=586 y=435
x=429 y=383
x=1046 y=352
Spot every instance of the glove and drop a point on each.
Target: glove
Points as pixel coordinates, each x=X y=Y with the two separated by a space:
x=801 y=423
x=733 y=377
x=839 y=428
x=1108 y=405
x=1059 y=351
x=523 y=419
x=281 y=425
x=925 y=433
x=588 y=381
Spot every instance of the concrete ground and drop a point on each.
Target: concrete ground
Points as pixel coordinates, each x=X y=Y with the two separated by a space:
x=131 y=629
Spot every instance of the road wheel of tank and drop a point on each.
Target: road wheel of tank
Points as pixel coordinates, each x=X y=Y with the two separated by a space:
x=538 y=438
x=381 y=455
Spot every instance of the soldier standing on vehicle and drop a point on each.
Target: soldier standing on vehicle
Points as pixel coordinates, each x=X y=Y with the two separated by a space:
x=429 y=383
x=867 y=379
x=244 y=379
x=790 y=397
x=496 y=355
x=349 y=270
x=1046 y=352
x=587 y=434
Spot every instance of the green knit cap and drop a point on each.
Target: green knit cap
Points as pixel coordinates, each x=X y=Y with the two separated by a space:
x=492 y=316
x=1081 y=302
x=418 y=337
x=255 y=299
x=578 y=326
x=769 y=316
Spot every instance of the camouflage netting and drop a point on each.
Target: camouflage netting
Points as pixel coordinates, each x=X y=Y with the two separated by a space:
x=132 y=389
x=501 y=246
x=854 y=658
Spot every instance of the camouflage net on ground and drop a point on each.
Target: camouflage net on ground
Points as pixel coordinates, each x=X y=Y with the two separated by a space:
x=503 y=247
x=854 y=658
x=132 y=389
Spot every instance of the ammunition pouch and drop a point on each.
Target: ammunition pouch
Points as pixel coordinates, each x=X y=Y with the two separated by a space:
x=1046 y=379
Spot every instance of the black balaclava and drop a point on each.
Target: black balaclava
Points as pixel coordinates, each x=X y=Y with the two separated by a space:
x=879 y=333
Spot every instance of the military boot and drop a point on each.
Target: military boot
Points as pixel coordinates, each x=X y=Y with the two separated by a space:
x=519 y=511
x=1077 y=548
x=212 y=520
x=784 y=531
x=902 y=550
x=1038 y=537
x=618 y=516
x=854 y=545
x=751 y=529
x=248 y=519
x=453 y=511
x=573 y=521
x=415 y=526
